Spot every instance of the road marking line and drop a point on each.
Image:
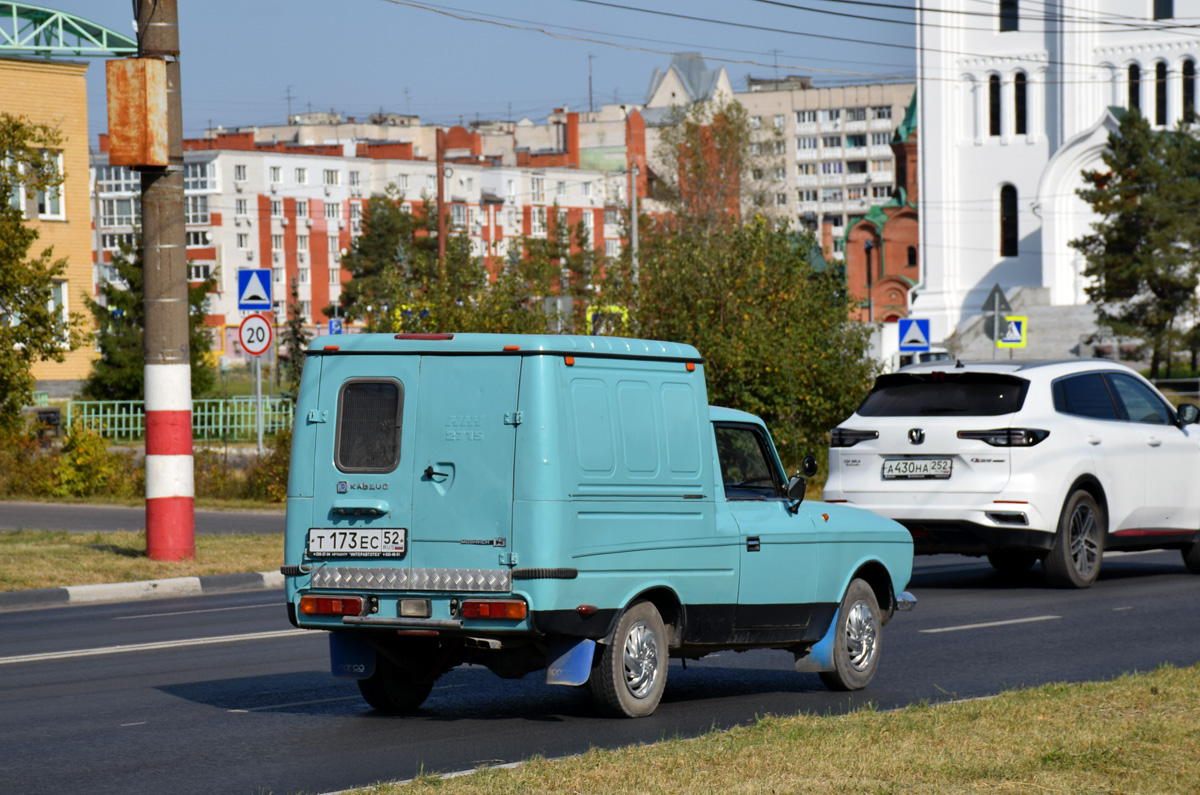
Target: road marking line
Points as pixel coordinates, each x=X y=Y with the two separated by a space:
x=166 y=644
x=208 y=610
x=139 y=723
x=297 y=704
x=990 y=624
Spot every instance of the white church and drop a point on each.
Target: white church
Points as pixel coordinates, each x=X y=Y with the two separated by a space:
x=1017 y=98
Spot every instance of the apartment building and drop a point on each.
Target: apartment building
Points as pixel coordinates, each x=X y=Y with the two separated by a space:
x=297 y=208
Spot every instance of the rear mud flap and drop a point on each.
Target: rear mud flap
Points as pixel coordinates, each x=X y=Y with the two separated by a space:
x=569 y=661
x=820 y=657
x=349 y=657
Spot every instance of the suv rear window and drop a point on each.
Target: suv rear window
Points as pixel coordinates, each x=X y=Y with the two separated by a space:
x=944 y=394
x=368 y=429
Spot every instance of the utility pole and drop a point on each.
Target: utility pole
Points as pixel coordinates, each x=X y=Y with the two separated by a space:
x=441 y=196
x=170 y=489
x=633 y=199
x=591 y=105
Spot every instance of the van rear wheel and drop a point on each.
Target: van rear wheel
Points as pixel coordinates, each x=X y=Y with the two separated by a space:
x=630 y=674
x=391 y=690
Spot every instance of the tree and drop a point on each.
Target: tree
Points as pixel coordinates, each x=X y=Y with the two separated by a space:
x=295 y=338
x=119 y=372
x=774 y=333
x=32 y=328
x=389 y=241
x=1141 y=255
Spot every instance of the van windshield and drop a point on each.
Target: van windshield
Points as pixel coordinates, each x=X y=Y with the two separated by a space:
x=944 y=393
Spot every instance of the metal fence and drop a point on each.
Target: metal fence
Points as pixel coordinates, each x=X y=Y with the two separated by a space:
x=212 y=419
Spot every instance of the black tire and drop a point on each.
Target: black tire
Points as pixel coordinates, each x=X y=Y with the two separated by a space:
x=856 y=639
x=1191 y=557
x=390 y=689
x=1011 y=562
x=630 y=674
x=1074 y=560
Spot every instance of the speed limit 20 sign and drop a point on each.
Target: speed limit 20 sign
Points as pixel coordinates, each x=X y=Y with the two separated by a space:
x=255 y=335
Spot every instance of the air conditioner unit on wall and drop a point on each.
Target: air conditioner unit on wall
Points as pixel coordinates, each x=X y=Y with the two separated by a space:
x=283 y=221
x=249 y=255
x=308 y=222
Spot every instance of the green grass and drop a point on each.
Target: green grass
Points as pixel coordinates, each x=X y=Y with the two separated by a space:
x=50 y=559
x=1137 y=734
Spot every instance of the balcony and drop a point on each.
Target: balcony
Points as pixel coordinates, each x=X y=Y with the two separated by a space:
x=807 y=180
x=833 y=153
x=882 y=124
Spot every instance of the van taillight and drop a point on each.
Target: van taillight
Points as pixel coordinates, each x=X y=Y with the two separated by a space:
x=331 y=605
x=509 y=609
x=425 y=336
x=1007 y=437
x=847 y=437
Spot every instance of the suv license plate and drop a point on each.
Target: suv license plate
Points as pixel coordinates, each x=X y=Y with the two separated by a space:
x=367 y=542
x=914 y=468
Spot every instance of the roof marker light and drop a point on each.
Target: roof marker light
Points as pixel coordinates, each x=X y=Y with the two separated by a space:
x=426 y=337
x=332 y=348
x=691 y=367
x=512 y=347
x=570 y=360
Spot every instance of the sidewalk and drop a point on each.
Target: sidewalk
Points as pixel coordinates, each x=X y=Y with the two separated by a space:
x=146 y=589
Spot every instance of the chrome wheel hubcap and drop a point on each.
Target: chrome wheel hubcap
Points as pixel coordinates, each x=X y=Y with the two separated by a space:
x=640 y=660
x=1085 y=539
x=862 y=635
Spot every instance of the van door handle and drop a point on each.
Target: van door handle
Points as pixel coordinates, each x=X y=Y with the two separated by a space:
x=1153 y=441
x=1093 y=440
x=429 y=473
x=752 y=544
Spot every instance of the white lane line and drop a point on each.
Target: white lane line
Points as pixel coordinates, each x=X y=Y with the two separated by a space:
x=166 y=644
x=990 y=624
x=139 y=723
x=208 y=610
x=298 y=704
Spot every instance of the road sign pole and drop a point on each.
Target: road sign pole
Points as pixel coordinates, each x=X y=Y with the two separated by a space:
x=258 y=399
x=995 y=327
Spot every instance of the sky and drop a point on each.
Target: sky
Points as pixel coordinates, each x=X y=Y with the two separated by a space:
x=246 y=62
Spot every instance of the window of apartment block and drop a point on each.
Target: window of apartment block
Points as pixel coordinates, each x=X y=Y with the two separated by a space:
x=302 y=274
x=335 y=275
x=836 y=221
x=50 y=201
x=117 y=179
x=512 y=190
x=778 y=122
x=199 y=273
x=354 y=179
x=806 y=169
x=458 y=216
x=332 y=177
x=777 y=147
x=805 y=116
x=243 y=241
x=611 y=218
x=239 y=207
x=856 y=141
x=114 y=241
x=537 y=190
x=831 y=141
x=195 y=239
x=335 y=251
x=831 y=167
x=305 y=309
x=195 y=176
x=402 y=181
x=807 y=195
x=856 y=193
x=278 y=274
x=120 y=212
x=537 y=222
x=856 y=114
x=1010 y=16
x=881 y=112
x=831 y=195
x=277 y=242
x=276 y=174
x=756 y=173
x=589 y=224
x=880 y=191
x=756 y=148
x=195 y=209
x=881 y=165
x=856 y=166
x=880 y=139
x=302 y=176
x=612 y=248
x=560 y=189
x=780 y=199
x=756 y=122
x=806 y=142
x=355 y=211
x=276 y=208
x=780 y=173
x=302 y=242
x=587 y=190
x=301 y=208
x=333 y=211
x=430 y=182
x=561 y=220
x=511 y=220
x=833 y=114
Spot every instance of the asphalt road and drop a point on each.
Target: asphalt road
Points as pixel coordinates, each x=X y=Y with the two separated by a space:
x=233 y=700
x=107 y=518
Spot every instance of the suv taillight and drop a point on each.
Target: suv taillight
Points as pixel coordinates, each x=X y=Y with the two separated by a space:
x=1007 y=437
x=847 y=437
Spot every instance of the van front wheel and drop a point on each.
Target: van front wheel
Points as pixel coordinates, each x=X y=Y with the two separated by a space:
x=630 y=673
x=855 y=640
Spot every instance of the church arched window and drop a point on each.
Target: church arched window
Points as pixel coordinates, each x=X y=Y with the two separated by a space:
x=1160 y=94
x=994 y=105
x=1008 y=221
x=1135 y=87
x=1189 y=91
x=1021 y=103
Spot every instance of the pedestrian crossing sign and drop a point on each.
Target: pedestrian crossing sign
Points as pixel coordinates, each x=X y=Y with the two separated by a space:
x=914 y=334
x=1015 y=332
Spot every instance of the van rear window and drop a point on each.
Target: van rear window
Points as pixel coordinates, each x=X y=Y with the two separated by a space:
x=944 y=394
x=368 y=430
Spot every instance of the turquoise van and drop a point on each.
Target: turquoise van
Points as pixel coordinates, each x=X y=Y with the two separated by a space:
x=564 y=503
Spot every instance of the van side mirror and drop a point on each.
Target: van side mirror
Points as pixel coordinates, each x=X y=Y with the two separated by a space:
x=1188 y=414
x=799 y=482
x=808 y=467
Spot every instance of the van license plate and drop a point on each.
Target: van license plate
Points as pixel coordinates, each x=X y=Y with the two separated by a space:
x=913 y=468
x=367 y=542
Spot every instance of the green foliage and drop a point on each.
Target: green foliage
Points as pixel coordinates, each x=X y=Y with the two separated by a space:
x=295 y=339
x=118 y=374
x=267 y=476
x=87 y=467
x=774 y=334
x=26 y=469
x=1141 y=254
x=31 y=328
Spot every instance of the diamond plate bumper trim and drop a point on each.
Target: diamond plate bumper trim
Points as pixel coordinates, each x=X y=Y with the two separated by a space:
x=386 y=579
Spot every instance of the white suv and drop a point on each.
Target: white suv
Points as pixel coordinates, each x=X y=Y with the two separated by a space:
x=1050 y=461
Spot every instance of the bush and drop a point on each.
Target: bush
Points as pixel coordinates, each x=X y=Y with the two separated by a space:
x=267 y=476
x=86 y=467
x=26 y=468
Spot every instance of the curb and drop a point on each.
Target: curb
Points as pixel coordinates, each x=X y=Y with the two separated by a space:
x=146 y=589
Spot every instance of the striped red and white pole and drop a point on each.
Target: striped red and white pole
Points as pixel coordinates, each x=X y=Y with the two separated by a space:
x=170 y=482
